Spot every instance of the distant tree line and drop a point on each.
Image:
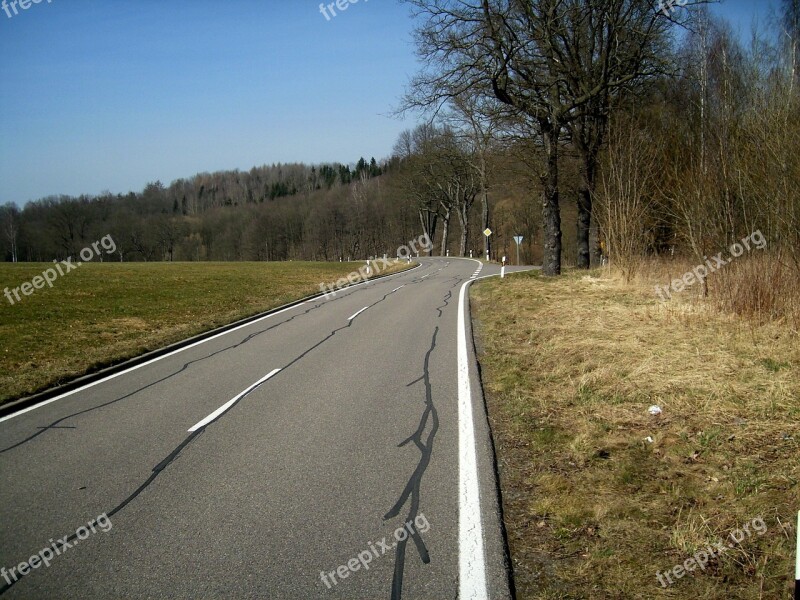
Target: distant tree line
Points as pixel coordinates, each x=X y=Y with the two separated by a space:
x=283 y=212
x=278 y=212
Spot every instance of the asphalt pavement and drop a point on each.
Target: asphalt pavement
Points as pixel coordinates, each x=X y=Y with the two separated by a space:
x=335 y=449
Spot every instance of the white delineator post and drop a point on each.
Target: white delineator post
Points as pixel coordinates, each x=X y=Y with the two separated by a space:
x=797 y=562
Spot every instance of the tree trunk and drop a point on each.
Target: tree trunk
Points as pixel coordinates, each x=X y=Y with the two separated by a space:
x=585 y=195
x=463 y=216
x=445 y=231
x=487 y=247
x=428 y=226
x=551 y=212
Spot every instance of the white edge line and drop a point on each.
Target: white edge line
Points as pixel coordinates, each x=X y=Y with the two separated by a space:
x=217 y=413
x=358 y=313
x=471 y=559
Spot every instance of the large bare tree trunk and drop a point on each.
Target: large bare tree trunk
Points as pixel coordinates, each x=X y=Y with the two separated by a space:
x=551 y=212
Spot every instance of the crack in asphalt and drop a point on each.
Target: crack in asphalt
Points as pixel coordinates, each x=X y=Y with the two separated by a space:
x=448 y=296
x=412 y=488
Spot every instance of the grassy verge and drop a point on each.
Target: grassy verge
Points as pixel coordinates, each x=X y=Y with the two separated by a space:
x=102 y=313
x=599 y=495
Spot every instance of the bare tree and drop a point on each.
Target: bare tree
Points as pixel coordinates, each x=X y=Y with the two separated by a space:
x=415 y=178
x=553 y=62
x=490 y=48
x=9 y=219
x=476 y=125
x=626 y=197
x=457 y=179
x=791 y=25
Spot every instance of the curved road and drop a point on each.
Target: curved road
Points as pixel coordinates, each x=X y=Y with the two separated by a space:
x=336 y=449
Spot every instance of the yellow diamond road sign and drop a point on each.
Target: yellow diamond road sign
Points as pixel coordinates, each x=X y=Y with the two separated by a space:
x=487 y=232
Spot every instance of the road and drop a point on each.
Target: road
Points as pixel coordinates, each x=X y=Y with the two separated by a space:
x=335 y=449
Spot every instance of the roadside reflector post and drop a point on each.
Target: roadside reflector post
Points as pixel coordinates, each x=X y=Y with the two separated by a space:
x=797 y=562
x=503 y=269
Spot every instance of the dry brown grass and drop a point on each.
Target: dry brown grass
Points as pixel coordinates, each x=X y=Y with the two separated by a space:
x=764 y=288
x=761 y=288
x=594 y=509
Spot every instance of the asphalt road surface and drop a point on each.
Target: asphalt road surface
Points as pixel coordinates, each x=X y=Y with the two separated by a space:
x=336 y=449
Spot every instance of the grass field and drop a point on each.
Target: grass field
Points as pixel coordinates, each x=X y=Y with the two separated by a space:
x=599 y=495
x=102 y=313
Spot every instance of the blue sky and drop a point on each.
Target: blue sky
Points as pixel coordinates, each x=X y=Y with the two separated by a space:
x=111 y=94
